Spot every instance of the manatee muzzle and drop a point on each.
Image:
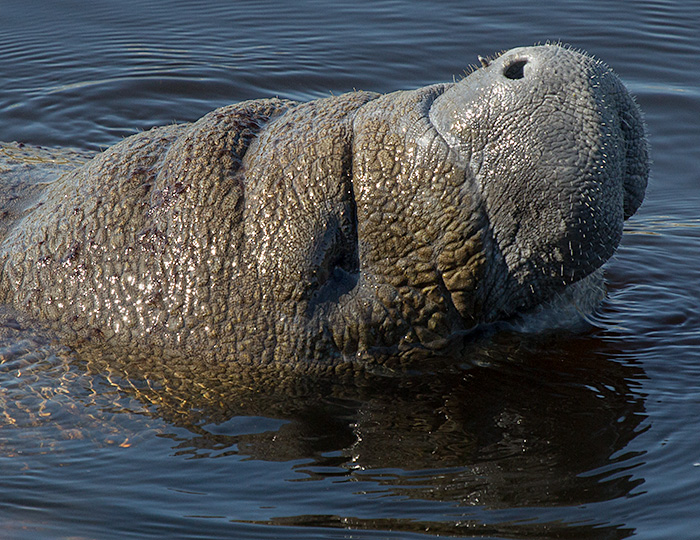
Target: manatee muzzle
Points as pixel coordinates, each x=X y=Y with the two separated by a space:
x=553 y=145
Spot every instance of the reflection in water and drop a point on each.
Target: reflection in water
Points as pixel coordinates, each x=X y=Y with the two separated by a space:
x=516 y=421
x=462 y=528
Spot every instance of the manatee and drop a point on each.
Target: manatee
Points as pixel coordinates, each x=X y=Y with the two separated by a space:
x=318 y=235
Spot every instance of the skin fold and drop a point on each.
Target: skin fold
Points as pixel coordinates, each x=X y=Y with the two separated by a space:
x=308 y=235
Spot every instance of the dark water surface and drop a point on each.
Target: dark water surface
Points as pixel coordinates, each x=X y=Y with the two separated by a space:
x=558 y=435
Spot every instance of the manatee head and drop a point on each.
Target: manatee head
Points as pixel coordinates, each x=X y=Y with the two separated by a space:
x=554 y=149
x=275 y=231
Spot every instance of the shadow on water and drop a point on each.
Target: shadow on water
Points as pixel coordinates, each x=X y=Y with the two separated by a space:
x=513 y=422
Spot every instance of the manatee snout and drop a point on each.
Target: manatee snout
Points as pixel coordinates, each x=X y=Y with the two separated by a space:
x=554 y=148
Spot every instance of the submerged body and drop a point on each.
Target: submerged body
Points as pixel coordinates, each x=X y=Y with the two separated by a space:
x=277 y=232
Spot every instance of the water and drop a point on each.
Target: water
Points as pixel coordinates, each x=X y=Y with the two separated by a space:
x=557 y=435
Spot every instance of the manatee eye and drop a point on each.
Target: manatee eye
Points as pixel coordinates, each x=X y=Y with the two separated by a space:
x=515 y=70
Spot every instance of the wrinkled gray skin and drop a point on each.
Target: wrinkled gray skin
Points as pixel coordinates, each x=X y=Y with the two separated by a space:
x=312 y=234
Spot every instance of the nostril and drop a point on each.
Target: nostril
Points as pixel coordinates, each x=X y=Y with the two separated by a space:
x=515 y=70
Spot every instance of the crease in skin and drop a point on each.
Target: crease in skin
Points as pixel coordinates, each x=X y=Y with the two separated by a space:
x=315 y=234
